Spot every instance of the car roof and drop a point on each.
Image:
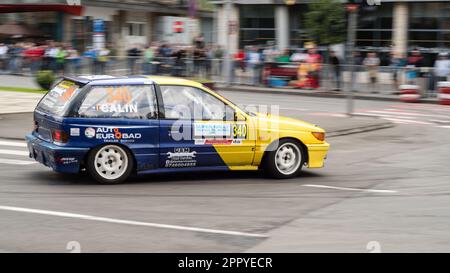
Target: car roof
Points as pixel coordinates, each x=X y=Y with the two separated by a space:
x=165 y=80
x=107 y=79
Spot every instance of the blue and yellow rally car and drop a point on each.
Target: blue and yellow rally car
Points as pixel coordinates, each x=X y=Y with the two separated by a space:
x=115 y=126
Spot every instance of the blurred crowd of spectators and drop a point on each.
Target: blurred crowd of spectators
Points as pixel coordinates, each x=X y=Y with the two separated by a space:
x=205 y=60
x=62 y=58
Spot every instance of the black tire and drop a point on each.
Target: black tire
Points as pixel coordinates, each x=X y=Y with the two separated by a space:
x=123 y=154
x=270 y=164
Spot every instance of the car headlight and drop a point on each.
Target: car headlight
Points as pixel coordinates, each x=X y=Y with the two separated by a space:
x=319 y=135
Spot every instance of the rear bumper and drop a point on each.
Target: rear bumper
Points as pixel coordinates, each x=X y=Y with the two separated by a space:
x=317 y=153
x=60 y=159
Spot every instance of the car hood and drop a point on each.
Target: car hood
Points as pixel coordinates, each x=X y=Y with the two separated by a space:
x=286 y=123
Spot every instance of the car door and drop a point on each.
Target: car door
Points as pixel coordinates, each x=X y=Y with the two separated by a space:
x=199 y=129
x=125 y=114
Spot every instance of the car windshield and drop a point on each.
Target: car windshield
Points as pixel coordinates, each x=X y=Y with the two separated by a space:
x=57 y=99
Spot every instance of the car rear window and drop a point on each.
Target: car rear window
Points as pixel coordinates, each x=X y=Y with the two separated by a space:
x=57 y=99
x=122 y=101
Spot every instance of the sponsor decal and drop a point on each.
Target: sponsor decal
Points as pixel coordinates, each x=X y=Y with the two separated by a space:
x=240 y=131
x=218 y=141
x=68 y=160
x=223 y=130
x=110 y=134
x=180 y=158
x=116 y=108
x=212 y=130
x=74 y=131
x=89 y=132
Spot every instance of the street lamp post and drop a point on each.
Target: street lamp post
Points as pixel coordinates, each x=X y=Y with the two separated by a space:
x=228 y=63
x=353 y=17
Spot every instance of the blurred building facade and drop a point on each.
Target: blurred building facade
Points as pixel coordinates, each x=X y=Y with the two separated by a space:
x=404 y=24
x=124 y=23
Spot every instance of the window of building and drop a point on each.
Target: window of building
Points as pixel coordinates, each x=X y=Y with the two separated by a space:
x=429 y=25
x=374 y=27
x=257 y=24
x=136 y=29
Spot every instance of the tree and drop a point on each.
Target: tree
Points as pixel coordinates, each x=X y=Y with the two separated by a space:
x=325 y=22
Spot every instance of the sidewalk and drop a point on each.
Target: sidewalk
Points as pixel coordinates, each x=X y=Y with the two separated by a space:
x=18 y=81
x=18 y=102
x=317 y=93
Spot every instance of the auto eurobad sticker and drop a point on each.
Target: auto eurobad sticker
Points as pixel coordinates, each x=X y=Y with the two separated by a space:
x=110 y=134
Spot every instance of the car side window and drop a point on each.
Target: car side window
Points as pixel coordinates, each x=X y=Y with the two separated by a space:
x=186 y=102
x=121 y=101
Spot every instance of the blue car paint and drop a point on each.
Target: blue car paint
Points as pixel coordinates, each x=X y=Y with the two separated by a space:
x=151 y=150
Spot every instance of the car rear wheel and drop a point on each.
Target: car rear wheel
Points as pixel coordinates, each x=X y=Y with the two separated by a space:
x=285 y=161
x=110 y=164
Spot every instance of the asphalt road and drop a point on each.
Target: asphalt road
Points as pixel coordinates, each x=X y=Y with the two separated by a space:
x=387 y=189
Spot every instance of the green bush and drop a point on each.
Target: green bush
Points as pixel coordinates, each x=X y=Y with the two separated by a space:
x=45 y=79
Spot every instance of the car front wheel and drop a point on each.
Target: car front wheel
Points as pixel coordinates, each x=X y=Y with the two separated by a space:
x=286 y=160
x=110 y=164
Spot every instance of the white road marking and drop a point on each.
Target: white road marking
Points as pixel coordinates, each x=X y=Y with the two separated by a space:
x=380 y=115
x=348 y=189
x=408 y=121
x=446 y=126
x=14 y=152
x=127 y=222
x=439 y=121
x=13 y=143
x=16 y=162
x=394 y=112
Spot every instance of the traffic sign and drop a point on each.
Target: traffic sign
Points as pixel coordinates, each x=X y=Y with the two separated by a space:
x=178 y=27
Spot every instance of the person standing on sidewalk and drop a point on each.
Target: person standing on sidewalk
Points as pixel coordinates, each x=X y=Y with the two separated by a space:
x=50 y=56
x=254 y=62
x=372 y=62
x=149 y=55
x=61 y=59
x=133 y=55
x=102 y=60
x=73 y=60
x=397 y=64
x=314 y=62
x=335 y=64
x=441 y=68
x=238 y=64
x=3 y=56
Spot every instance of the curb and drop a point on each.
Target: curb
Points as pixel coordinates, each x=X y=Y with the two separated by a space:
x=319 y=94
x=358 y=130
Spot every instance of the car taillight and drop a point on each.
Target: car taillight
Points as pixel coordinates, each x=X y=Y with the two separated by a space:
x=59 y=136
x=319 y=135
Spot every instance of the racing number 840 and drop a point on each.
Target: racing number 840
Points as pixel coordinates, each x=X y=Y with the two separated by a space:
x=240 y=131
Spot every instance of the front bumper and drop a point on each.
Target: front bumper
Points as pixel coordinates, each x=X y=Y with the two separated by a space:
x=59 y=158
x=317 y=153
